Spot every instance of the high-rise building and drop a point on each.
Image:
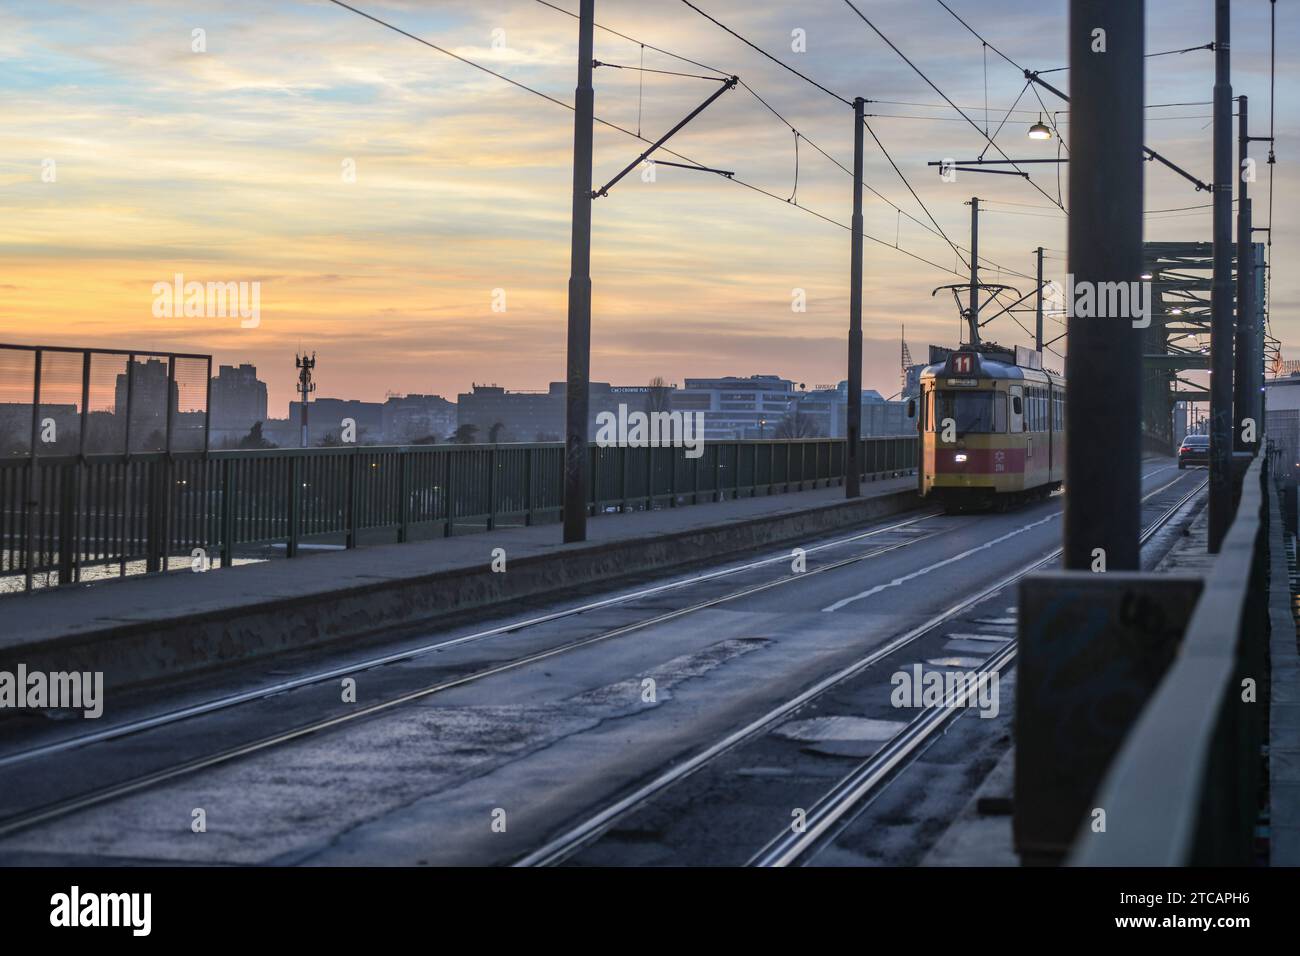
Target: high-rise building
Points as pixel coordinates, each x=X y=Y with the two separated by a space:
x=143 y=388
x=238 y=402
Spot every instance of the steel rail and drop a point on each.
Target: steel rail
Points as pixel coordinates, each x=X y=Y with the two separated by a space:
x=577 y=837
x=845 y=798
x=26 y=819
x=280 y=687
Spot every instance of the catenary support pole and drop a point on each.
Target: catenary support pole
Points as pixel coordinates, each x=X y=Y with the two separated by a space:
x=1221 y=329
x=1038 y=311
x=973 y=309
x=852 y=460
x=1104 y=362
x=1244 y=390
x=576 y=397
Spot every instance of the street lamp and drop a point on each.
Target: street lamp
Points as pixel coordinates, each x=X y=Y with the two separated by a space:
x=1040 y=130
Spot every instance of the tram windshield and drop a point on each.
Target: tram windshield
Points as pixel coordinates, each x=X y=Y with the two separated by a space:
x=979 y=412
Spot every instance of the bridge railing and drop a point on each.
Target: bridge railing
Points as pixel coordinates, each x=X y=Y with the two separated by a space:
x=1184 y=787
x=75 y=518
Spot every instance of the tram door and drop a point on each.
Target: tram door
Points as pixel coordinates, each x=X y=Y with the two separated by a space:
x=1016 y=413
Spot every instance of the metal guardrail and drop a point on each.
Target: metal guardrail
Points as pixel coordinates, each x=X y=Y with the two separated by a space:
x=1183 y=789
x=68 y=519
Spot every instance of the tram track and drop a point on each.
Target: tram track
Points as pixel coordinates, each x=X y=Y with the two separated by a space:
x=51 y=811
x=836 y=809
x=865 y=778
x=227 y=701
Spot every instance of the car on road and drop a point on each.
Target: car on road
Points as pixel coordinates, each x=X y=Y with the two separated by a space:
x=1195 y=450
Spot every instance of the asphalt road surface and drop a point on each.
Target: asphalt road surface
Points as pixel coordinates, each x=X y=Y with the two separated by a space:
x=686 y=719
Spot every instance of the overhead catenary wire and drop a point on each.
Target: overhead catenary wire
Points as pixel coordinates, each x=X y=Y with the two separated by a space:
x=977 y=36
x=921 y=73
x=842 y=99
x=648 y=46
x=645 y=69
x=1055 y=113
x=776 y=60
x=935 y=228
x=623 y=129
x=1189 y=49
x=1031 y=74
x=794 y=193
x=1028 y=112
x=985 y=150
x=1060 y=140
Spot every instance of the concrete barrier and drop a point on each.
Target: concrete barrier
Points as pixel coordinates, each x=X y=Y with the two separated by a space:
x=1092 y=649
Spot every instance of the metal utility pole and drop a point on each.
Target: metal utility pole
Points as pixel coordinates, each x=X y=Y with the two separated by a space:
x=579 y=357
x=1221 y=331
x=973 y=316
x=1038 y=321
x=1246 y=391
x=1104 y=365
x=852 y=462
x=306 y=386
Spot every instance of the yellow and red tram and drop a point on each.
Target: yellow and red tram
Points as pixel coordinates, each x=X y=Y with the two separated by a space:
x=992 y=431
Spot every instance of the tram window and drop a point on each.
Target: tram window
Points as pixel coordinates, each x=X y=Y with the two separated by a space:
x=978 y=412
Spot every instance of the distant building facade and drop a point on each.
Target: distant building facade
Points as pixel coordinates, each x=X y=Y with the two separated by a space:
x=238 y=403
x=326 y=418
x=525 y=416
x=416 y=418
x=736 y=408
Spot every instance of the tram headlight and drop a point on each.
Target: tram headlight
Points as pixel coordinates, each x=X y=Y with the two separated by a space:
x=959 y=457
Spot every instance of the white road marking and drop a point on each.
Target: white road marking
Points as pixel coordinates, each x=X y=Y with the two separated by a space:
x=958 y=557
x=844 y=602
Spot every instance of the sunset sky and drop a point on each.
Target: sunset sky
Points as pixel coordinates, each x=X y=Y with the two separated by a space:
x=227 y=165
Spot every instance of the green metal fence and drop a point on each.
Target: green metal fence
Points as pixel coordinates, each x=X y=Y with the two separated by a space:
x=75 y=518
